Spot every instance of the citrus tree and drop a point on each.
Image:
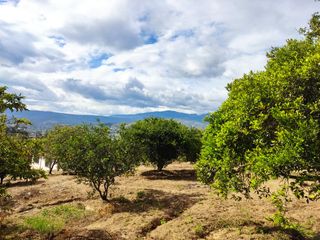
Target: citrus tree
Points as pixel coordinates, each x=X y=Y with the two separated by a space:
x=269 y=126
x=164 y=140
x=94 y=155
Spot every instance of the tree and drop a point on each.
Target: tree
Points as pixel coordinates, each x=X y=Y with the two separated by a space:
x=163 y=141
x=54 y=146
x=10 y=101
x=95 y=156
x=191 y=145
x=269 y=127
x=16 y=148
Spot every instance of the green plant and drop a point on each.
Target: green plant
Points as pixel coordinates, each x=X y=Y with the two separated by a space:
x=160 y=141
x=140 y=194
x=94 y=155
x=199 y=230
x=66 y=212
x=163 y=221
x=269 y=125
x=44 y=225
x=52 y=220
x=280 y=200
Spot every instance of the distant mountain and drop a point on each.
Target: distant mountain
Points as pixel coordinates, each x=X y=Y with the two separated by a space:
x=43 y=120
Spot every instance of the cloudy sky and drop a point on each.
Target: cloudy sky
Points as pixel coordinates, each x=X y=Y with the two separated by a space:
x=126 y=56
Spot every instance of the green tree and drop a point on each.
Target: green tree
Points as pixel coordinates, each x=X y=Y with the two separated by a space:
x=162 y=141
x=10 y=101
x=7 y=151
x=269 y=125
x=95 y=156
x=54 y=145
x=16 y=149
x=191 y=145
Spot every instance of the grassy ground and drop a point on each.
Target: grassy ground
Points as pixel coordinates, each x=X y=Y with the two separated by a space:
x=147 y=205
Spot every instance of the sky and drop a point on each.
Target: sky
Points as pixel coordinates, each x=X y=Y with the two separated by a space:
x=107 y=57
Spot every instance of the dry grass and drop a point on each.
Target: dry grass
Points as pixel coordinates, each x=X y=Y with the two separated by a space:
x=153 y=205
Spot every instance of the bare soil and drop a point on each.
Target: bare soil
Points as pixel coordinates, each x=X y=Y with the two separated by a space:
x=154 y=205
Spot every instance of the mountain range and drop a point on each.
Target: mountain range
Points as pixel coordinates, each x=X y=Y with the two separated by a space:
x=43 y=120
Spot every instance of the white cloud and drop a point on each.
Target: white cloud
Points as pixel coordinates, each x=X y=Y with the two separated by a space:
x=125 y=56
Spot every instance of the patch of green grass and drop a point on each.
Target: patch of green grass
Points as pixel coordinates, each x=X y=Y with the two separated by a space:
x=65 y=211
x=44 y=225
x=53 y=220
x=199 y=230
x=163 y=221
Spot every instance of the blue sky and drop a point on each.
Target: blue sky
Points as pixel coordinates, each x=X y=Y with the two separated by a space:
x=129 y=56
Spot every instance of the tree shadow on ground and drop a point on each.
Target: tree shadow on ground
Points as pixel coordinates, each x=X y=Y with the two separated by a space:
x=291 y=232
x=9 y=231
x=77 y=234
x=185 y=174
x=171 y=204
x=23 y=183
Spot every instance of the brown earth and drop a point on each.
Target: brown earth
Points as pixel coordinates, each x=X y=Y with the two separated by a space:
x=155 y=205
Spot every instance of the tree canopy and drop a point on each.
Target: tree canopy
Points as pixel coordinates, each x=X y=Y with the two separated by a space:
x=17 y=151
x=92 y=154
x=269 y=125
x=164 y=140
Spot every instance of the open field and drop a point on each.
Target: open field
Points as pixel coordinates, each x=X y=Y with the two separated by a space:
x=152 y=205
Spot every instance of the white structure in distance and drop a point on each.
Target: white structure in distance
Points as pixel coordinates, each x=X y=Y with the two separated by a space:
x=41 y=164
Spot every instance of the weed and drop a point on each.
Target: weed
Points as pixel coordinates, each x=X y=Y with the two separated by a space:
x=280 y=200
x=141 y=194
x=189 y=219
x=163 y=221
x=44 y=225
x=199 y=230
x=66 y=212
x=51 y=221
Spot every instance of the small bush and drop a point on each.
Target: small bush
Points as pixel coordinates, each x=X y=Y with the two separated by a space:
x=34 y=174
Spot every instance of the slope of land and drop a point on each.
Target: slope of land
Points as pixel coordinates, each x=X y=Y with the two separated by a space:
x=153 y=205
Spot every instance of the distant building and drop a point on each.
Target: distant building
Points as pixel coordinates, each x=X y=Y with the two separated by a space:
x=41 y=164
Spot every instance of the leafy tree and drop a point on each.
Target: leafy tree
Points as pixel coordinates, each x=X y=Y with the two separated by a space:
x=269 y=125
x=163 y=141
x=16 y=149
x=95 y=156
x=191 y=145
x=54 y=146
x=10 y=101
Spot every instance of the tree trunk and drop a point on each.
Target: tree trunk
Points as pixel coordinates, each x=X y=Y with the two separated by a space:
x=51 y=166
x=160 y=166
x=106 y=186
x=1 y=180
x=103 y=194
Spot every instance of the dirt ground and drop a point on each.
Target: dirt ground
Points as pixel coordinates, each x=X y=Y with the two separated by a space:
x=153 y=205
